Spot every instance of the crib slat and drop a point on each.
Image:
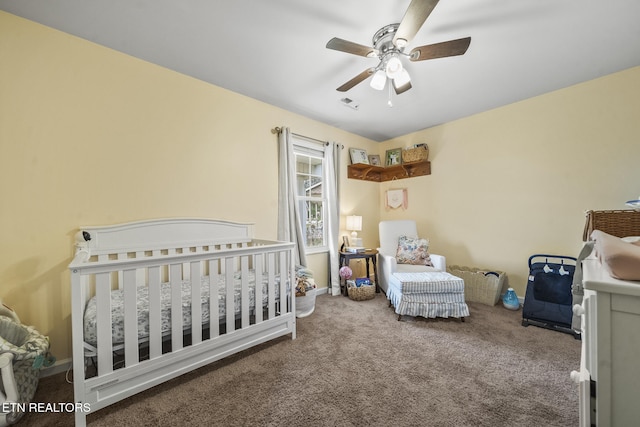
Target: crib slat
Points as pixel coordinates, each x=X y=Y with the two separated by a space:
x=196 y=303
x=284 y=305
x=140 y=272
x=131 y=356
x=155 y=318
x=285 y=274
x=214 y=309
x=175 y=275
x=103 y=318
x=258 y=268
x=120 y=255
x=186 y=272
x=245 y=310
x=229 y=294
x=291 y=278
x=272 y=286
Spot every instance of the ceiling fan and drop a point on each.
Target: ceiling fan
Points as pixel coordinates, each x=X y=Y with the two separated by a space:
x=389 y=43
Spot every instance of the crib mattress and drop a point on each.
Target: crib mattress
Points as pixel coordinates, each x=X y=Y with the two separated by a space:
x=117 y=306
x=433 y=294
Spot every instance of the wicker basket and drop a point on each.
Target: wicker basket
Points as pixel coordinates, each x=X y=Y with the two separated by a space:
x=481 y=286
x=415 y=154
x=362 y=293
x=619 y=223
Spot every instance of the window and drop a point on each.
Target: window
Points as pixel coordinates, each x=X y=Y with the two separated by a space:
x=310 y=193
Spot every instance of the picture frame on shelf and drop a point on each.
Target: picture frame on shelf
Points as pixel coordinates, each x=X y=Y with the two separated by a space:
x=393 y=157
x=374 y=159
x=358 y=156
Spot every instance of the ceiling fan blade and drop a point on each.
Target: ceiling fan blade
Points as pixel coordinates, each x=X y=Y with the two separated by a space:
x=417 y=12
x=440 y=50
x=402 y=89
x=351 y=47
x=357 y=79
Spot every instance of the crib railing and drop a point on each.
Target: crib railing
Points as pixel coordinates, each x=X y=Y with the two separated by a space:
x=163 y=355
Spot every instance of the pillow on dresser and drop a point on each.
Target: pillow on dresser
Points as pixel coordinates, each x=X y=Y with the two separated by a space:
x=413 y=250
x=621 y=258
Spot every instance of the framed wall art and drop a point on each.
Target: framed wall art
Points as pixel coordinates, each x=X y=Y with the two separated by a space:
x=393 y=157
x=374 y=159
x=358 y=156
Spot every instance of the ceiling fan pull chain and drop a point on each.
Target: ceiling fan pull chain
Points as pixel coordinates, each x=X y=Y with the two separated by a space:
x=389 y=102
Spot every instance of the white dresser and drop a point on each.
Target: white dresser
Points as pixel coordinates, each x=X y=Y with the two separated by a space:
x=609 y=376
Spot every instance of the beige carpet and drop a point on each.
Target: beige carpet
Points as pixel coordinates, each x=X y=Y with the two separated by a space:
x=354 y=364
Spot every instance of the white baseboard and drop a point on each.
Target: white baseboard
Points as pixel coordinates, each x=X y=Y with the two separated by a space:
x=58 y=367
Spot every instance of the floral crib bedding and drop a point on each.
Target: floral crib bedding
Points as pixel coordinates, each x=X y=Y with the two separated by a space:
x=117 y=306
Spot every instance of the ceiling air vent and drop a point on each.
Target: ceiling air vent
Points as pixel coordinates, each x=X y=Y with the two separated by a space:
x=348 y=102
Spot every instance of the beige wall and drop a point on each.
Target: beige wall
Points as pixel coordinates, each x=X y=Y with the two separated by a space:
x=90 y=136
x=516 y=181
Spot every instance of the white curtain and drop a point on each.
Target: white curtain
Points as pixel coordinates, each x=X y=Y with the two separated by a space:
x=289 y=224
x=289 y=219
x=332 y=173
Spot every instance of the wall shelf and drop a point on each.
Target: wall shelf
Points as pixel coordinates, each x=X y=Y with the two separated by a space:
x=365 y=172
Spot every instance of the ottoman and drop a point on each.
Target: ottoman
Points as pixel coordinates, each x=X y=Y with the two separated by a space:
x=429 y=294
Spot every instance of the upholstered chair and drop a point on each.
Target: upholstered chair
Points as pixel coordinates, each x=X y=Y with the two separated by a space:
x=389 y=233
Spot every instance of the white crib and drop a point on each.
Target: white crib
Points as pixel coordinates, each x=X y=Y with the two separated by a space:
x=144 y=306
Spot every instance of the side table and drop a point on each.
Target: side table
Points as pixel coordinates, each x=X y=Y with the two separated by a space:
x=370 y=254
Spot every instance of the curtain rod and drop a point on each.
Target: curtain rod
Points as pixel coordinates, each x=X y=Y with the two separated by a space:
x=277 y=130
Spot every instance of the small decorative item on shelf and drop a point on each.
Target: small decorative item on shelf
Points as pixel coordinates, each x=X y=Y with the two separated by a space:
x=374 y=160
x=358 y=156
x=393 y=157
x=510 y=300
x=418 y=152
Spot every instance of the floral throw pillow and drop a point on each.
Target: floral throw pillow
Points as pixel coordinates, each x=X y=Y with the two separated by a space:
x=413 y=250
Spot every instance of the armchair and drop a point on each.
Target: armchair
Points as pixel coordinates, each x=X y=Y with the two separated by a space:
x=389 y=232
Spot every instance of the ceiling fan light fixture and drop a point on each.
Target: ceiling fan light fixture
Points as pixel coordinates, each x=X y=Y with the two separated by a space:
x=378 y=80
x=389 y=44
x=393 y=67
x=402 y=79
x=401 y=43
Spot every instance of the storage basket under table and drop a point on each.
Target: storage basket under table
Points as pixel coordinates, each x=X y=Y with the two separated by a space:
x=361 y=293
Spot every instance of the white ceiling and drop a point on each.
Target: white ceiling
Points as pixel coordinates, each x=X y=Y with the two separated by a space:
x=274 y=51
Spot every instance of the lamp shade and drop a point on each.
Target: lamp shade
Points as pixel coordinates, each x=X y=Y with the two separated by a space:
x=393 y=68
x=402 y=78
x=354 y=223
x=378 y=80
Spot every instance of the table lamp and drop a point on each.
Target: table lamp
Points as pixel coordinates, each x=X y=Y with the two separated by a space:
x=354 y=224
